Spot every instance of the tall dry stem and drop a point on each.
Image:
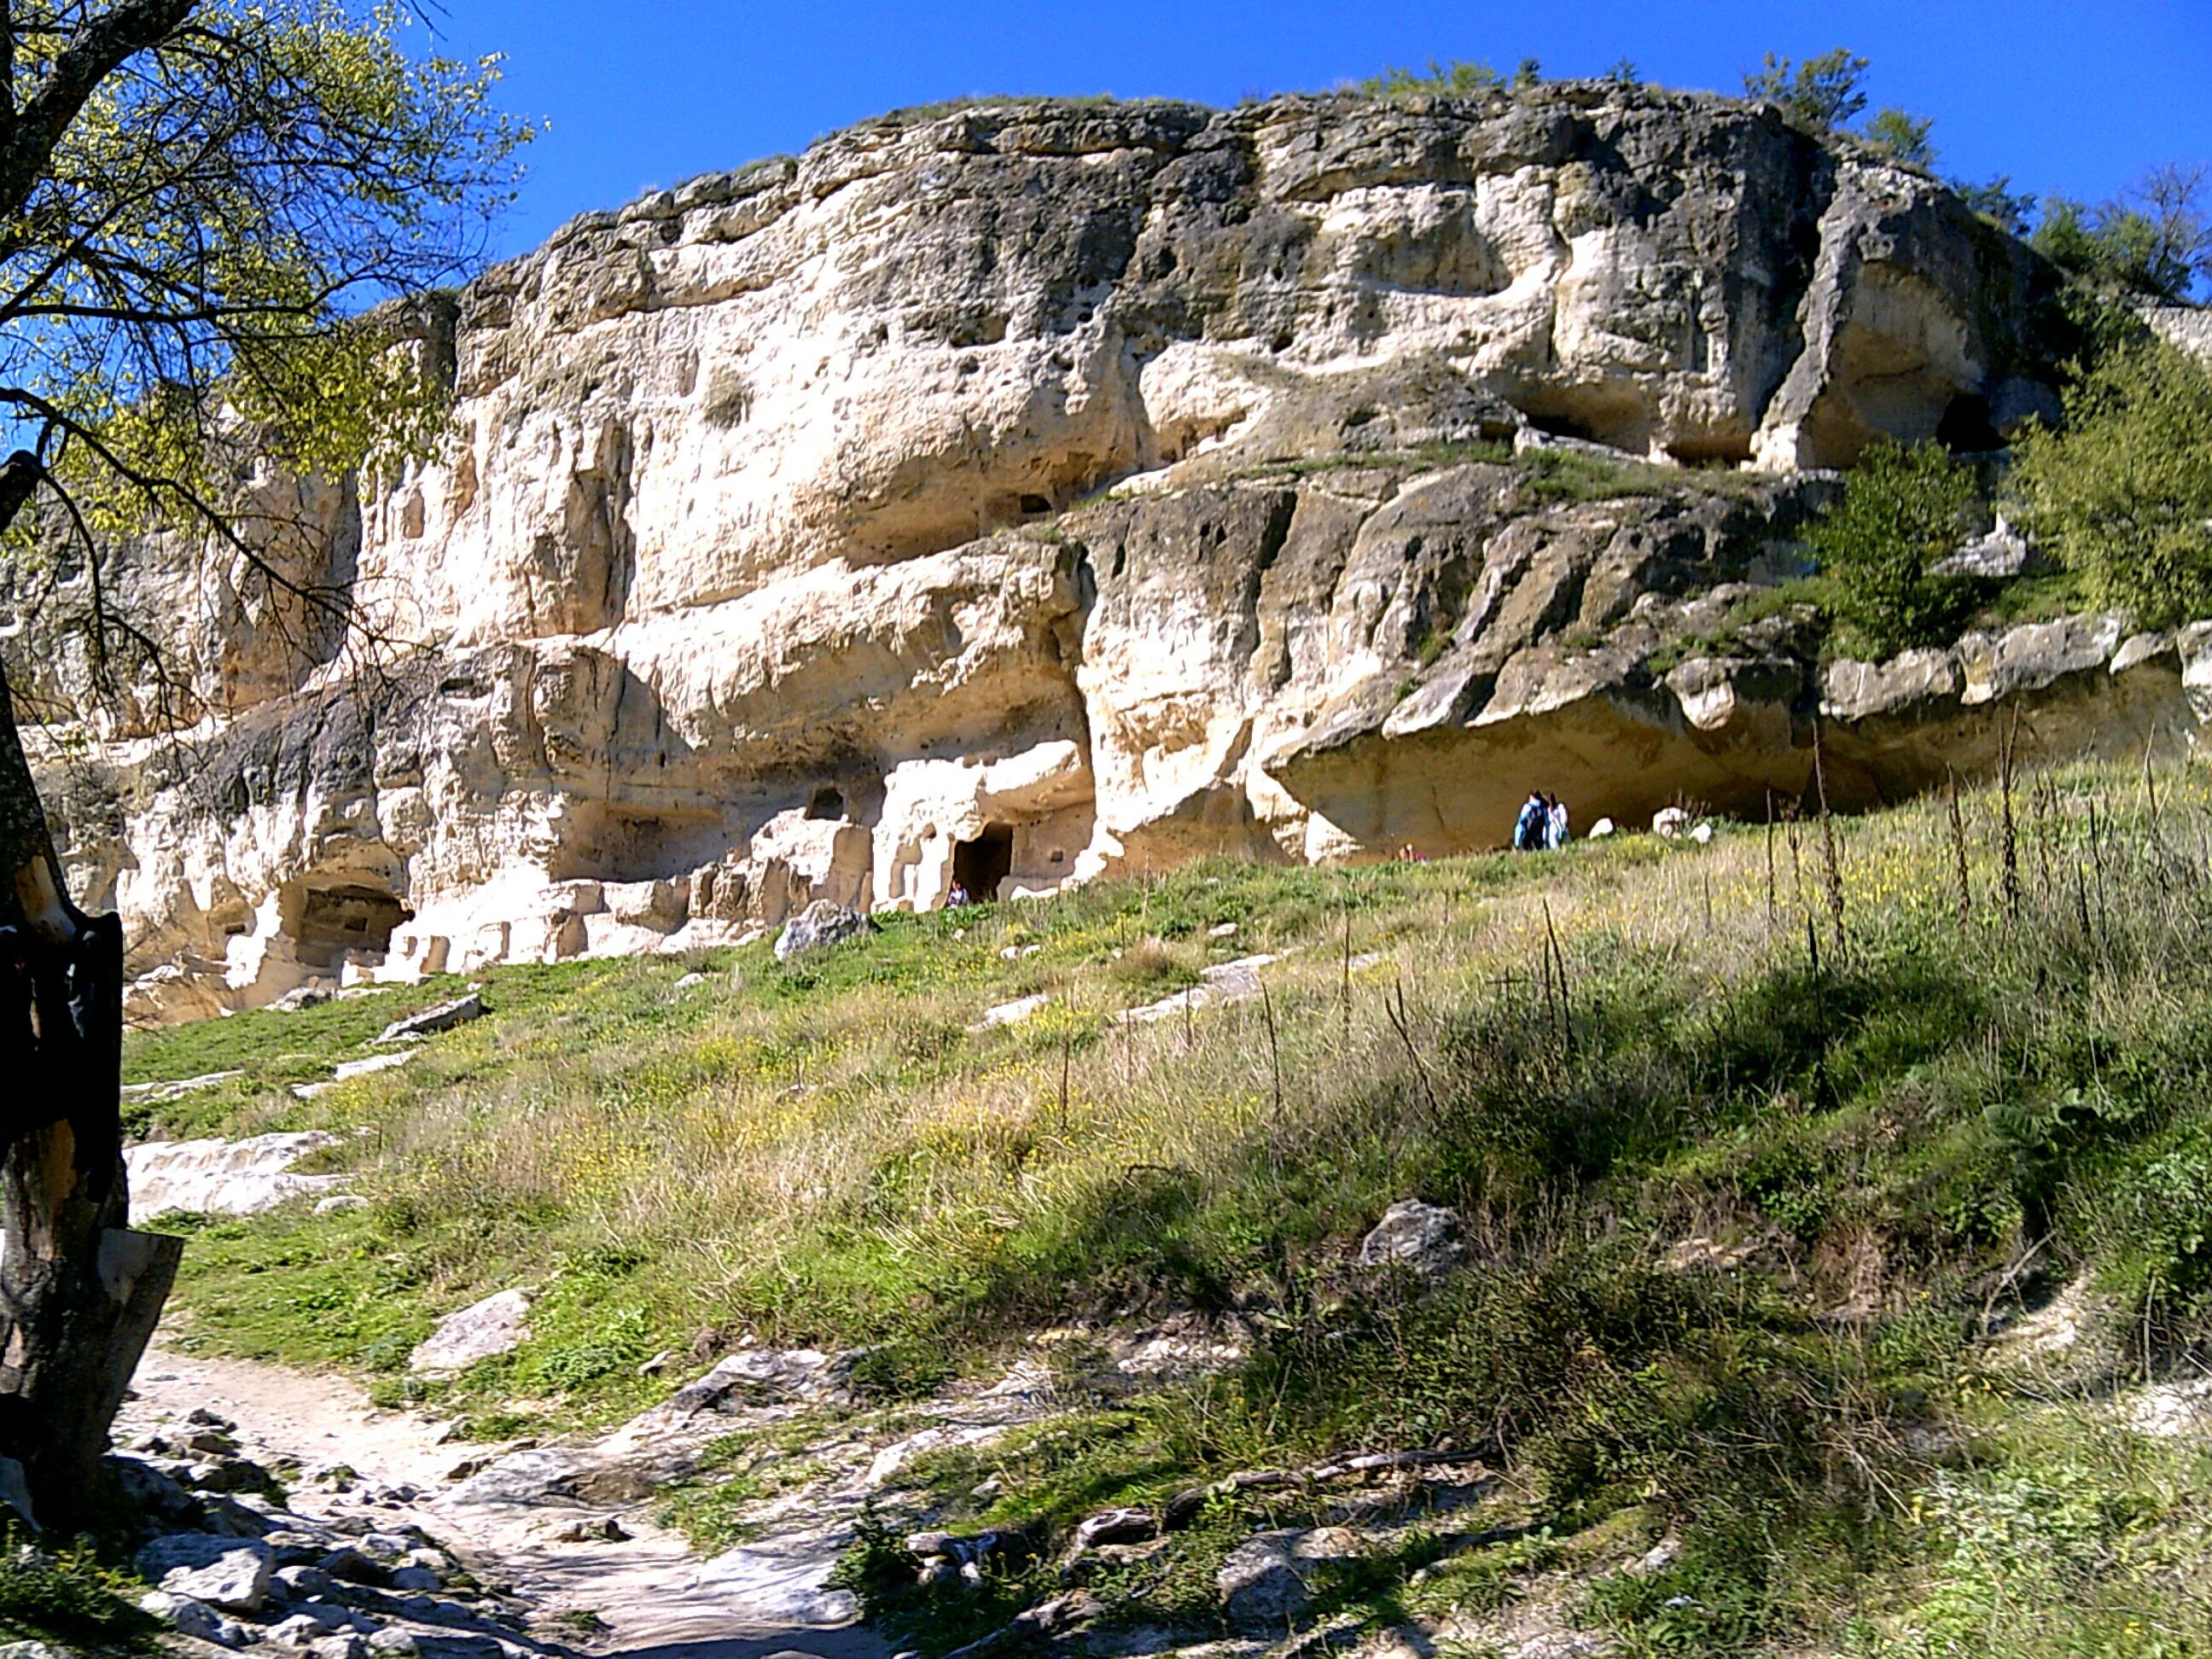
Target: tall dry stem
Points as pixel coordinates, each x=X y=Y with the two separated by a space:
x=2010 y=841
x=1959 y=851
x=1556 y=962
x=1832 y=864
x=1770 y=864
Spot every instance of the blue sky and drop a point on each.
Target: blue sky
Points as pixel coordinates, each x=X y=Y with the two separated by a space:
x=2074 y=96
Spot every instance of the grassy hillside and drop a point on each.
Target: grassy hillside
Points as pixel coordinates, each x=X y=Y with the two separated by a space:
x=1761 y=1148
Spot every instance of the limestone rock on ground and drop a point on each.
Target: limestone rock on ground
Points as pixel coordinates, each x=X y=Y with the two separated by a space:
x=1218 y=982
x=1015 y=1012
x=824 y=925
x=1263 y=1582
x=1422 y=1238
x=224 y=1177
x=232 y=1574
x=161 y=1094
x=496 y=1325
x=443 y=1017
x=195 y=1618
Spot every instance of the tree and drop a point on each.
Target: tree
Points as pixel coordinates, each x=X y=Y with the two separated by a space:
x=1904 y=138
x=1823 y=93
x=2154 y=239
x=199 y=202
x=2175 y=203
x=1996 y=202
x=2124 y=495
x=1903 y=511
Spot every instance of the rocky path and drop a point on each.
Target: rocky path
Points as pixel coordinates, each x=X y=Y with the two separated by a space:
x=555 y=1552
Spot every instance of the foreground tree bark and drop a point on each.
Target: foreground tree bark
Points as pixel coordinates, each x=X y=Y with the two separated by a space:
x=79 y=1292
x=201 y=203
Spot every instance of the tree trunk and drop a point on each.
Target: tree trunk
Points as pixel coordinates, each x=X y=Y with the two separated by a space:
x=79 y=1292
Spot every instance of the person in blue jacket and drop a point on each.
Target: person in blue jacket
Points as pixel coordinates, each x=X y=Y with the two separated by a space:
x=1533 y=829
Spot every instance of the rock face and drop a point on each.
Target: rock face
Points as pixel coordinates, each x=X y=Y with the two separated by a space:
x=763 y=565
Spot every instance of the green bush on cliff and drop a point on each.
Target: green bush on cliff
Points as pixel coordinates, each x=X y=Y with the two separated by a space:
x=1902 y=512
x=1459 y=78
x=1821 y=93
x=2124 y=495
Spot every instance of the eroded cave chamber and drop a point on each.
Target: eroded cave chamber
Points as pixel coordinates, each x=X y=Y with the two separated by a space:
x=329 y=919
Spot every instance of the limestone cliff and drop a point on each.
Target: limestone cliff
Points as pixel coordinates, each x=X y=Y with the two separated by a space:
x=1044 y=490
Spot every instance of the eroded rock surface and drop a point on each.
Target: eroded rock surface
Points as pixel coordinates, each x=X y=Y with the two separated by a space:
x=765 y=567
x=224 y=1177
x=498 y=1324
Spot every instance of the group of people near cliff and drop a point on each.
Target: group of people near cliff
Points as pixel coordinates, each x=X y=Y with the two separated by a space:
x=1542 y=825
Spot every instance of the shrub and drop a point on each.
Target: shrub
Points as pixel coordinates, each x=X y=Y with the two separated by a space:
x=1904 y=138
x=1151 y=966
x=1902 y=511
x=67 y=1595
x=1821 y=93
x=1460 y=78
x=2124 y=495
x=1996 y=202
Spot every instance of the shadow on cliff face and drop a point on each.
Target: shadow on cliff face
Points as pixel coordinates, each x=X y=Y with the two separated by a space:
x=1733 y=739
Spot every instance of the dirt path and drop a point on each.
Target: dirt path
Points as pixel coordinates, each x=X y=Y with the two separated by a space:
x=655 y=1595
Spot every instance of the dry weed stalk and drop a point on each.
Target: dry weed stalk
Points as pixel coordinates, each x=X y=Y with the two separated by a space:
x=1345 y=995
x=1959 y=851
x=1832 y=865
x=2009 y=842
x=1401 y=1022
x=1555 y=970
x=1770 y=864
x=1275 y=1072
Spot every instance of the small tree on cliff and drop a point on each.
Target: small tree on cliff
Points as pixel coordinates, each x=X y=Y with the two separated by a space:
x=1821 y=93
x=1902 y=512
x=2123 y=493
x=199 y=199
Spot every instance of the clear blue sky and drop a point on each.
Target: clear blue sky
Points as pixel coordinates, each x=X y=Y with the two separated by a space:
x=2074 y=96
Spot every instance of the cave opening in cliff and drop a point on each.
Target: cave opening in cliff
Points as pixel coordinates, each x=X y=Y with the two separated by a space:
x=826 y=805
x=334 y=921
x=980 y=865
x=1965 y=428
x=1614 y=416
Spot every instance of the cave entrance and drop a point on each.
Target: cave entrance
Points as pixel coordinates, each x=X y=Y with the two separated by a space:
x=980 y=864
x=1966 y=429
x=335 y=921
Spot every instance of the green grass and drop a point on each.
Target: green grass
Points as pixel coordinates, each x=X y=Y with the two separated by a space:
x=1883 y=1146
x=2045 y=597
x=66 y=1595
x=603 y=1072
